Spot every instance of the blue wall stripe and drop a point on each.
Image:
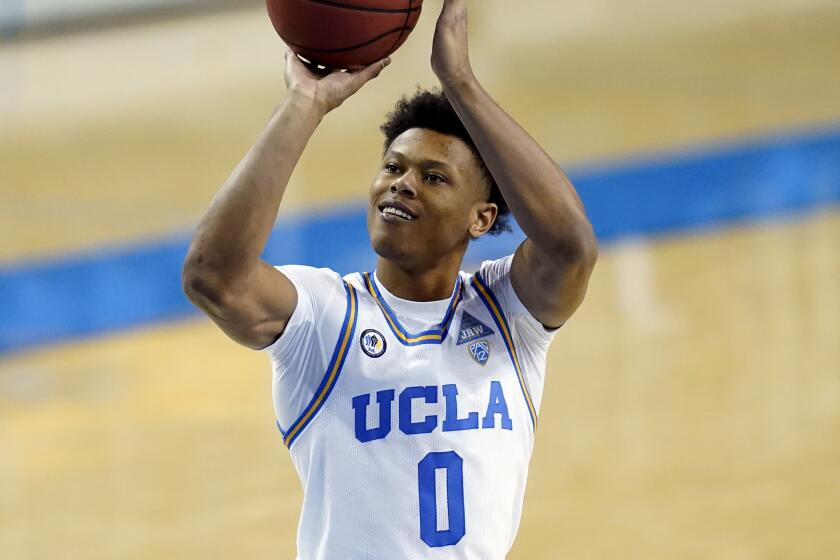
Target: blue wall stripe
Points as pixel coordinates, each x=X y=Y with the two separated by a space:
x=101 y=291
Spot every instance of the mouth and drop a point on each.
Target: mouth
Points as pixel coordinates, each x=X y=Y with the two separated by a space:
x=392 y=210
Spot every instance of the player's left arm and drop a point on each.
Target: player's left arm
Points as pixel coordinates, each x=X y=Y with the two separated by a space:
x=551 y=269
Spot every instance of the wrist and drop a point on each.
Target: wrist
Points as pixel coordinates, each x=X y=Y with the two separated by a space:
x=463 y=81
x=458 y=79
x=305 y=100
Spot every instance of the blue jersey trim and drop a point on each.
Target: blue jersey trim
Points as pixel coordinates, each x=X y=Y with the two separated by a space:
x=433 y=336
x=492 y=305
x=342 y=348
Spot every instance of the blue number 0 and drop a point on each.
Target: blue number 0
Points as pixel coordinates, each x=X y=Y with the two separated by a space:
x=454 y=466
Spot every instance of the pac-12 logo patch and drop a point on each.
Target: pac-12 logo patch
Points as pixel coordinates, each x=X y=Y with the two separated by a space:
x=480 y=351
x=373 y=343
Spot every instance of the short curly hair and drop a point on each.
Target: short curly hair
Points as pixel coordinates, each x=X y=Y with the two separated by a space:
x=433 y=111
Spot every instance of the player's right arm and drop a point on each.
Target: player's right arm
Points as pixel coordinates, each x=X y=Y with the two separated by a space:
x=223 y=274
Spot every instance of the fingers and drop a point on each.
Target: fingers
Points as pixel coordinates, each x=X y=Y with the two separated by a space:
x=291 y=57
x=370 y=72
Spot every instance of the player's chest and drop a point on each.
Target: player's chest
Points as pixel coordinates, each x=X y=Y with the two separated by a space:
x=468 y=347
x=412 y=383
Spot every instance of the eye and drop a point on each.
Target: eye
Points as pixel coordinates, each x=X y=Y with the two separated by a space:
x=391 y=168
x=435 y=178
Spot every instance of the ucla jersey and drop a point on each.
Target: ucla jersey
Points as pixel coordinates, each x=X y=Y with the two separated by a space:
x=415 y=444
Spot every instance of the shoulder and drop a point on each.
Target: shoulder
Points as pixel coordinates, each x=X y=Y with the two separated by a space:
x=318 y=287
x=492 y=284
x=495 y=272
x=300 y=355
x=308 y=277
x=321 y=301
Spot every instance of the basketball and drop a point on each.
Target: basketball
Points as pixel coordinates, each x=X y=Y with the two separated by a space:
x=344 y=33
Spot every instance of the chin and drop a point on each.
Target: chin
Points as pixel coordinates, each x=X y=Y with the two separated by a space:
x=388 y=247
x=385 y=242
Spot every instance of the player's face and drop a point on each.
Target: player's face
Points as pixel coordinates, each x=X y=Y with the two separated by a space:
x=428 y=199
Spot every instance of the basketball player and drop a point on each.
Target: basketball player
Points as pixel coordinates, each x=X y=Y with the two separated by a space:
x=408 y=396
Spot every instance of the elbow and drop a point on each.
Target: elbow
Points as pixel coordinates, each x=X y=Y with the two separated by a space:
x=195 y=285
x=201 y=284
x=589 y=250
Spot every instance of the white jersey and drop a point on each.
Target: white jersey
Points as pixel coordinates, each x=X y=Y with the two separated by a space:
x=410 y=424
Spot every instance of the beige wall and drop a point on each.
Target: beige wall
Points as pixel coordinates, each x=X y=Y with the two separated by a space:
x=23 y=14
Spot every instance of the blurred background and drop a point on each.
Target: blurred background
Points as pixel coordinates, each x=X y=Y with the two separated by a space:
x=692 y=406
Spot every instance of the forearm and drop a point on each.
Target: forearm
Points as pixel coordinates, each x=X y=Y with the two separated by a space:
x=233 y=233
x=538 y=192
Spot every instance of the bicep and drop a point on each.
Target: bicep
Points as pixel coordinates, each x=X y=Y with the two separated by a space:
x=551 y=289
x=256 y=314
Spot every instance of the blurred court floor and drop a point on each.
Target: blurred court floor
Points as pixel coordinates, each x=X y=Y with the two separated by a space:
x=692 y=408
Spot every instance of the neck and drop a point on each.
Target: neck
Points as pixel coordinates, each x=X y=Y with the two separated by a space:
x=430 y=283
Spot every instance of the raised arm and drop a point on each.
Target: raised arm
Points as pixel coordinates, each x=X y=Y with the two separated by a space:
x=223 y=275
x=551 y=269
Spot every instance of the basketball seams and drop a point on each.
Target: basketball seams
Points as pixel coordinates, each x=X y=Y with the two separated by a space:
x=404 y=27
x=401 y=30
x=354 y=7
x=339 y=33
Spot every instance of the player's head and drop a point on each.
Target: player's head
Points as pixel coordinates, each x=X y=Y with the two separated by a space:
x=432 y=170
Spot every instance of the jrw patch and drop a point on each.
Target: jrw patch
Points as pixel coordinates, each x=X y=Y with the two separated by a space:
x=472 y=329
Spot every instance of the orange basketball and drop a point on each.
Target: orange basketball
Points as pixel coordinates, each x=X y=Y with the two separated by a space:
x=344 y=33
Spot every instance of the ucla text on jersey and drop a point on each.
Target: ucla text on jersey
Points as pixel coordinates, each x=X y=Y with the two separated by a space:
x=496 y=406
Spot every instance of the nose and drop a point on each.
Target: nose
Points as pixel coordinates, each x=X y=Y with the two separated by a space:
x=404 y=186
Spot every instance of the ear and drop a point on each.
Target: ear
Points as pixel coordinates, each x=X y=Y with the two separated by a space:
x=483 y=217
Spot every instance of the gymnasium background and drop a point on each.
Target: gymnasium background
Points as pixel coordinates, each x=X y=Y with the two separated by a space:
x=692 y=407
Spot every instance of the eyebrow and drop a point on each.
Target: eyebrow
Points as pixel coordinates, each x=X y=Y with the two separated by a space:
x=426 y=162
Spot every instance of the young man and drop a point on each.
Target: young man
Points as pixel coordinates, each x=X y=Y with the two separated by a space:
x=409 y=396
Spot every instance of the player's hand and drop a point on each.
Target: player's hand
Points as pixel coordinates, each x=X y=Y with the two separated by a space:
x=332 y=90
x=450 y=49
